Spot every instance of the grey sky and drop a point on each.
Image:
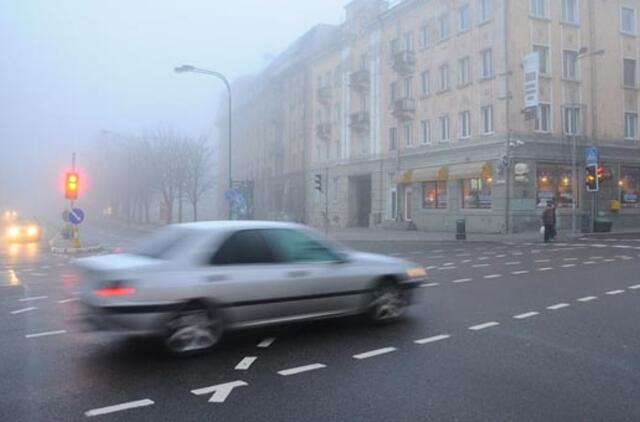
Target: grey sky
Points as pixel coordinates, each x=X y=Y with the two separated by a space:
x=74 y=67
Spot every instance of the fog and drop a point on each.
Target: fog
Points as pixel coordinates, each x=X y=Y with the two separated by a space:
x=74 y=68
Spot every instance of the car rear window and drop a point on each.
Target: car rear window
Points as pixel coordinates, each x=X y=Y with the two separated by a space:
x=164 y=243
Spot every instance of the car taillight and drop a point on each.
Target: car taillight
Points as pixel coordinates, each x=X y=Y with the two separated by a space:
x=115 y=289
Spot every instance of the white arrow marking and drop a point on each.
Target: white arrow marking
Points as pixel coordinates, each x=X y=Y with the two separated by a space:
x=220 y=391
x=266 y=342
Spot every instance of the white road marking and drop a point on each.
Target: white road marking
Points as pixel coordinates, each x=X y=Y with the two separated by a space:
x=621 y=246
x=587 y=298
x=598 y=245
x=569 y=259
x=614 y=292
x=47 y=333
x=373 y=353
x=432 y=339
x=526 y=315
x=19 y=311
x=595 y=257
x=431 y=267
x=429 y=285
x=463 y=254
x=73 y=299
x=118 y=407
x=28 y=299
x=438 y=250
x=501 y=255
x=266 y=342
x=493 y=276
x=520 y=272
x=483 y=326
x=447 y=268
x=461 y=280
x=245 y=363
x=542 y=260
x=568 y=265
x=517 y=253
x=512 y=263
x=465 y=261
x=635 y=286
x=483 y=258
x=435 y=257
x=300 y=369
x=608 y=260
x=480 y=265
x=588 y=262
x=558 y=306
x=545 y=269
x=220 y=391
x=561 y=244
x=448 y=264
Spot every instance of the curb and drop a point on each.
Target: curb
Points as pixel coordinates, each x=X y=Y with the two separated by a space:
x=71 y=251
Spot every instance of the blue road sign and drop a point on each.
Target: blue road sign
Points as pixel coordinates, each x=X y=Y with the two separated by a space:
x=592 y=156
x=76 y=216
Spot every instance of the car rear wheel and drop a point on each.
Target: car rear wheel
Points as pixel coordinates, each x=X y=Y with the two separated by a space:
x=388 y=303
x=193 y=330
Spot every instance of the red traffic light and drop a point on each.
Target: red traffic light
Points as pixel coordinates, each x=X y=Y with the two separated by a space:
x=71 y=186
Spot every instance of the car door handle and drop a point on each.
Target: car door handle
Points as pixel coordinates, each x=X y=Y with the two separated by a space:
x=214 y=278
x=297 y=274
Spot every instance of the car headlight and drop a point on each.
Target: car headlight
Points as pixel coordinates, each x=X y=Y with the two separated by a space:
x=13 y=231
x=32 y=231
x=416 y=272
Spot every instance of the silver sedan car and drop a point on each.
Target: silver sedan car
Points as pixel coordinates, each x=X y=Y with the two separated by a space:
x=191 y=282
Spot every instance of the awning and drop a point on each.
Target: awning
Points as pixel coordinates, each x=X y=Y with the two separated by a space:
x=466 y=171
x=422 y=174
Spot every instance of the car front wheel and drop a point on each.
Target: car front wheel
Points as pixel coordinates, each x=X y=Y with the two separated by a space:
x=388 y=303
x=193 y=330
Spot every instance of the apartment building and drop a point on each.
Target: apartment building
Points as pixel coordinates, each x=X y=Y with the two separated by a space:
x=419 y=115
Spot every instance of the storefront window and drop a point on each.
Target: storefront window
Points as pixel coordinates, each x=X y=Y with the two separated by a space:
x=554 y=185
x=629 y=187
x=434 y=195
x=476 y=193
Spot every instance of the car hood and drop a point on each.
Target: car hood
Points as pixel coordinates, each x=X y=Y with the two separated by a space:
x=117 y=262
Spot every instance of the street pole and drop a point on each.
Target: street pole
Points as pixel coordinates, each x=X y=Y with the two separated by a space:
x=326 y=201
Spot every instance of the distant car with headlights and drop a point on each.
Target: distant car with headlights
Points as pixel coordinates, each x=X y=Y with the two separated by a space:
x=9 y=216
x=23 y=231
x=190 y=282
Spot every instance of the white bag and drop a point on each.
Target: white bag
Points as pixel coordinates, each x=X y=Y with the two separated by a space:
x=541 y=229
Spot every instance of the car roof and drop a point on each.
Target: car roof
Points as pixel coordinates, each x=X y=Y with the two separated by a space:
x=226 y=225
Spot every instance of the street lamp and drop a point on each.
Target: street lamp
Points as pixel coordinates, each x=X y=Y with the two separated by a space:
x=189 y=68
x=582 y=53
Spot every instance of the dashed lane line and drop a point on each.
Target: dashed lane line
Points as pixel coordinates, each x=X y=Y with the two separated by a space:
x=372 y=353
x=119 y=407
x=501 y=256
x=483 y=326
x=493 y=276
x=480 y=265
x=635 y=286
x=432 y=339
x=47 y=333
x=447 y=268
x=429 y=285
x=545 y=269
x=513 y=263
x=614 y=292
x=520 y=272
x=301 y=369
x=245 y=363
x=608 y=260
x=266 y=342
x=483 y=258
x=462 y=280
x=558 y=306
x=569 y=259
x=72 y=299
x=568 y=265
x=588 y=262
x=20 y=311
x=526 y=315
x=540 y=261
x=29 y=299
x=587 y=298
x=595 y=257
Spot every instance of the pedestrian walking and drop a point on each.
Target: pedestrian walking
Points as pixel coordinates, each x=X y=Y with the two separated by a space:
x=549 y=222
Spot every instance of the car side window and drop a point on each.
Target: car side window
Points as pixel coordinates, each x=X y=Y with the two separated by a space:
x=243 y=247
x=296 y=246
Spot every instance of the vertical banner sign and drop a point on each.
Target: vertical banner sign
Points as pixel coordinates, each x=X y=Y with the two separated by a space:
x=531 y=65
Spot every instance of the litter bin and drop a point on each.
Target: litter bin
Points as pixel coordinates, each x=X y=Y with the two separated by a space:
x=602 y=225
x=461 y=230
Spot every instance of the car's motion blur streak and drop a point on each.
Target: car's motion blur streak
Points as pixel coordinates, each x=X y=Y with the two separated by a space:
x=189 y=283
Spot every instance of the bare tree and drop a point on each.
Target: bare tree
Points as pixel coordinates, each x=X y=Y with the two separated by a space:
x=198 y=180
x=164 y=150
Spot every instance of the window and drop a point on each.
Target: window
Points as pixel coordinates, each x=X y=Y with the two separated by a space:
x=444 y=27
x=487 y=119
x=434 y=195
x=337 y=75
x=243 y=247
x=297 y=246
x=631 y=125
x=444 y=77
x=407 y=91
x=628 y=20
x=364 y=102
x=393 y=88
x=364 y=144
x=338 y=112
x=570 y=65
x=408 y=133
x=465 y=125
x=444 y=128
x=393 y=203
x=164 y=243
x=425 y=130
x=464 y=71
x=334 y=190
x=364 y=61
x=543 y=118
x=407 y=41
x=394 y=46
x=338 y=149
x=629 y=187
x=476 y=193
x=424 y=36
x=571 y=120
x=487 y=63
x=464 y=18
x=539 y=8
x=486 y=10
x=408 y=203
x=630 y=72
x=554 y=185
x=570 y=11
x=543 y=54
x=393 y=138
x=426 y=83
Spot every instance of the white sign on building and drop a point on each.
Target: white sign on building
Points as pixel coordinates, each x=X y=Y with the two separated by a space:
x=531 y=65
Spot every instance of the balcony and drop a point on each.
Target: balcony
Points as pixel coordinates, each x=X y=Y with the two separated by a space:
x=360 y=80
x=324 y=94
x=359 y=121
x=404 y=62
x=323 y=130
x=404 y=108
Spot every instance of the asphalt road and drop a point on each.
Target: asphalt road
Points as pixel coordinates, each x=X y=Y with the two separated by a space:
x=503 y=332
